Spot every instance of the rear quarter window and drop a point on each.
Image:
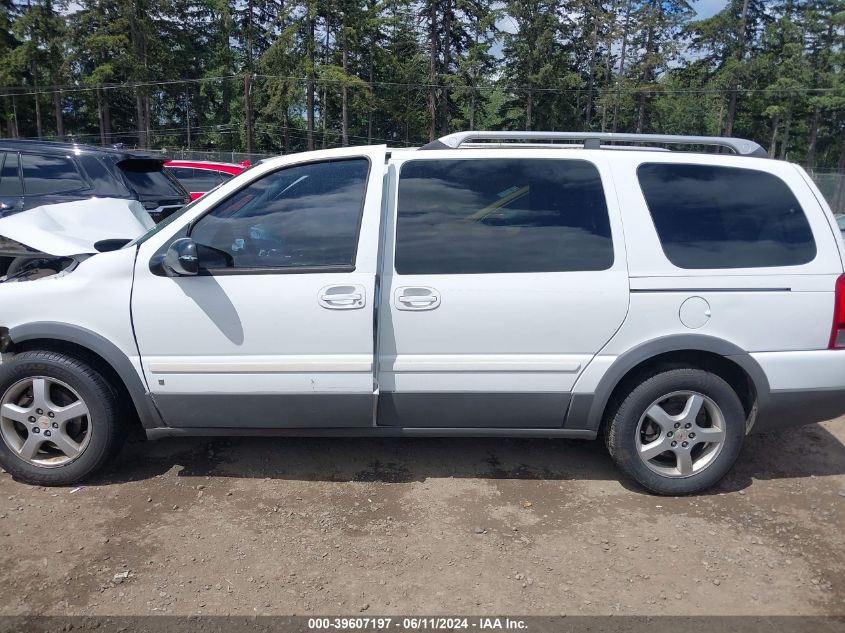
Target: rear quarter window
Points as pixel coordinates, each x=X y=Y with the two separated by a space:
x=709 y=216
x=105 y=184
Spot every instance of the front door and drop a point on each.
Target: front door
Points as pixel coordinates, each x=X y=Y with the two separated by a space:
x=277 y=329
x=507 y=275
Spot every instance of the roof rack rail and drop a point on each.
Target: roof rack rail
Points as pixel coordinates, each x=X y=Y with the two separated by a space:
x=594 y=140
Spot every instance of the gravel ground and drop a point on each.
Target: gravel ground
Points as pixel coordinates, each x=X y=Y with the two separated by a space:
x=433 y=526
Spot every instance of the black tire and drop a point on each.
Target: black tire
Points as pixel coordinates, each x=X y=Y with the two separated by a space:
x=623 y=421
x=107 y=427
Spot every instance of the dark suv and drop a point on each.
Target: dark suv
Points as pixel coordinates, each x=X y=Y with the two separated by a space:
x=35 y=173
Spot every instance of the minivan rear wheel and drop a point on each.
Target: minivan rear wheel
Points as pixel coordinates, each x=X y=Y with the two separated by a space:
x=678 y=432
x=58 y=419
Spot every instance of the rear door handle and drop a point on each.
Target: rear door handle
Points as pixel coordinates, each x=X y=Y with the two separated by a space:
x=342 y=297
x=416 y=298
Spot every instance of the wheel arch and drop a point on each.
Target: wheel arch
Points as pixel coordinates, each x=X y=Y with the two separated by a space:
x=90 y=347
x=721 y=357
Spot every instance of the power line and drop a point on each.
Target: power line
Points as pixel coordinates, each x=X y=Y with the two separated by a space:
x=298 y=134
x=16 y=91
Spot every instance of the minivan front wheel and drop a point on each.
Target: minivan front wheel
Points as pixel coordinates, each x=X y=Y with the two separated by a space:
x=678 y=432
x=58 y=419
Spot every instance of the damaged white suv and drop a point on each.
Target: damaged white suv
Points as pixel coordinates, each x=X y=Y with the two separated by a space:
x=558 y=285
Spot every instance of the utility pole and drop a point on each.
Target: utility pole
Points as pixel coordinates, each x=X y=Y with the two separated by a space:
x=248 y=109
x=15 y=118
x=248 y=79
x=188 y=115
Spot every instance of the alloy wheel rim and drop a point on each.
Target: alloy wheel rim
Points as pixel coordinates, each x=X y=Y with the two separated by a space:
x=680 y=434
x=44 y=421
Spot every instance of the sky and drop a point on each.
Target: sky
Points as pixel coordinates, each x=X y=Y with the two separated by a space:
x=706 y=8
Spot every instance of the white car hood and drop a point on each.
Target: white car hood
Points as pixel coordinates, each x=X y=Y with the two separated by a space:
x=72 y=228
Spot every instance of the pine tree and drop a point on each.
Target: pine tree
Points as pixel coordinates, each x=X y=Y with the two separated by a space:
x=267 y=74
x=41 y=31
x=727 y=40
x=533 y=54
x=9 y=74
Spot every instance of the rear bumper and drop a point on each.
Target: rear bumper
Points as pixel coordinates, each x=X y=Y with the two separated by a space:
x=787 y=408
x=804 y=387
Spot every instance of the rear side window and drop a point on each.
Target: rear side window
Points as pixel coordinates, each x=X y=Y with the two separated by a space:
x=725 y=217
x=470 y=216
x=10 y=179
x=149 y=180
x=50 y=174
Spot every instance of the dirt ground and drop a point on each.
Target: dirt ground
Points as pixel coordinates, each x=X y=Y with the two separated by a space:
x=427 y=526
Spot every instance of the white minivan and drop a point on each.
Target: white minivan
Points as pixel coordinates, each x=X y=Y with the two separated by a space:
x=523 y=284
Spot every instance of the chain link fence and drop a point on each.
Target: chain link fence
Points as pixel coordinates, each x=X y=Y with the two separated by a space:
x=832 y=186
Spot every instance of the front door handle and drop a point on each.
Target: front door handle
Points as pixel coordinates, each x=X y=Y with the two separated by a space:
x=342 y=297
x=416 y=298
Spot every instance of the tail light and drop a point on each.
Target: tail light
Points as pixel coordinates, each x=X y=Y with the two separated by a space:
x=837 y=334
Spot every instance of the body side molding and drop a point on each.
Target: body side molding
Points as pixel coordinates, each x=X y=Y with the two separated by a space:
x=370 y=431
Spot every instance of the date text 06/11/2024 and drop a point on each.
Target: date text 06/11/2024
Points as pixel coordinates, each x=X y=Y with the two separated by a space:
x=417 y=623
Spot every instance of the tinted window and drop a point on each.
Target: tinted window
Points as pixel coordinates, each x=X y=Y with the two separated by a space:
x=196 y=179
x=501 y=216
x=49 y=174
x=10 y=180
x=301 y=216
x=150 y=181
x=182 y=174
x=725 y=217
x=105 y=184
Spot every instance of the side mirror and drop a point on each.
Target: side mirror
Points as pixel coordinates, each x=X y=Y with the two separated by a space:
x=181 y=259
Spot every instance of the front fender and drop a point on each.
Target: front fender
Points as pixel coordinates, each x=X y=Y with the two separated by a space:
x=102 y=347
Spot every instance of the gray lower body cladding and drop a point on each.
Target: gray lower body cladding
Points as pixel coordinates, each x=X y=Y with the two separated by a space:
x=433 y=414
x=345 y=410
x=457 y=410
x=266 y=410
x=778 y=410
x=784 y=409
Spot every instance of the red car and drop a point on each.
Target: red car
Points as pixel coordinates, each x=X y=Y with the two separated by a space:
x=200 y=176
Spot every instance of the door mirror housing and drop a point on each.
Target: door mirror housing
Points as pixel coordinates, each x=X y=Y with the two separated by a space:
x=180 y=259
